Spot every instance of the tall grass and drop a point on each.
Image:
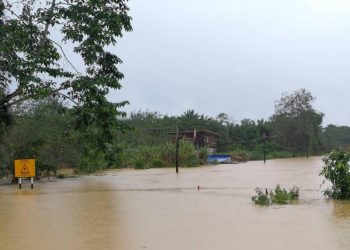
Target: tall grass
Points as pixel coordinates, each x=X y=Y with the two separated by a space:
x=162 y=155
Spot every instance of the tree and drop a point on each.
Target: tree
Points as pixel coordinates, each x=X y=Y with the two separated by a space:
x=336 y=137
x=42 y=129
x=31 y=58
x=296 y=124
x=222 y=118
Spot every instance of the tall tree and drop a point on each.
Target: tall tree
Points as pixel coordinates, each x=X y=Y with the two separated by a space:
x=222 y=118
x=295 y=122
x=32 y=58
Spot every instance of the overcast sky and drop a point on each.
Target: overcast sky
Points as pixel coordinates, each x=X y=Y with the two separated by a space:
x=236 y=57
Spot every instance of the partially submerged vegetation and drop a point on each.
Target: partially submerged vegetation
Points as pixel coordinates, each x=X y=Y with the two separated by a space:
x=46 y=130
x=91 y=133
x=162 y=155
x=336 y=170
x=277 y=196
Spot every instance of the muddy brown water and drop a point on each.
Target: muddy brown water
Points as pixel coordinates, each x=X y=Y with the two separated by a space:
x=157 y=209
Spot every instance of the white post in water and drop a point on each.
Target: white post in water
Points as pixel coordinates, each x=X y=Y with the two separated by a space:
x=20 y=183
x=32 y=182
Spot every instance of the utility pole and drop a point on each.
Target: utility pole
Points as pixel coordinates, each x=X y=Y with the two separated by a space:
x=177 y=147
x=264 y=136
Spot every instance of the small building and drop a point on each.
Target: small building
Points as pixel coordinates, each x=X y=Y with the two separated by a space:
x=200 y=138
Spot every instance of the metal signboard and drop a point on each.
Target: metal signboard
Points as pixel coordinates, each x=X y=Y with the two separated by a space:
x=25 y=168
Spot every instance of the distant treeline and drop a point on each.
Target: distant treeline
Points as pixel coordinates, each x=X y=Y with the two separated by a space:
x=46 y=130
x=152 y=128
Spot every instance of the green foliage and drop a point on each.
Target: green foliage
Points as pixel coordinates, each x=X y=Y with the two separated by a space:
x=92 y=160
x=187 y=154
x=277 y=196
x=294 y=129
x=261 y=198
x=158 y=156
x=203 y=154
x=294 y=193
x=44 y=170
x=336 y=171
x=296 y=123
x=139 y=164
x=47 y=130
x=42 y=130
x=158 y=163
x=33 y=66
x=336 y=137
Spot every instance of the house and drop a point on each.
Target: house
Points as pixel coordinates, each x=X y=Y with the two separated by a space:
x=200 y=138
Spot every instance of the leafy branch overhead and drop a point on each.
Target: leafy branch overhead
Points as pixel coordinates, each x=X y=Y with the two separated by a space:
x=32 y=52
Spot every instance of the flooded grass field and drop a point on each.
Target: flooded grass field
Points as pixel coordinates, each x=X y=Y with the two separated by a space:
x=158 y=209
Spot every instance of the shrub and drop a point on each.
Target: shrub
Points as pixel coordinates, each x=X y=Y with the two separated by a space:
x=262 y=198
x=139 y=164
x=92 y=161
x=294 y=193
x=277 y=196
x=158 y=164
x=61 y=176
x=336 y=171
x=203 y=154
x=187 y=154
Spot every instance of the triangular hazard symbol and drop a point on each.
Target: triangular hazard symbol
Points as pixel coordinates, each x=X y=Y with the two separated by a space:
x=24 y=170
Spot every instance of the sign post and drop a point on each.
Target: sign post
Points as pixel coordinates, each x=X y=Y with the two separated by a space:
x=25 y=168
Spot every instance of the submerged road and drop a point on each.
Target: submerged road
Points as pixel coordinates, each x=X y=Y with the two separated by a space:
x=159 y=210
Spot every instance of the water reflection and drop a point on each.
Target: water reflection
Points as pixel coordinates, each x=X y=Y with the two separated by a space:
x=341 y=209
x=59 y=218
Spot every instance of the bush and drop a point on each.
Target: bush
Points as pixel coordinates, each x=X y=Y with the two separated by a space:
x=158 y=164
x=336 y=171
x=61 y=176
x=92 y=161
x=280 y=196
x=139 y=164
x=187 y=154
x=262 y=198
x=203 y=155
x=277 y=196
x=294 y=193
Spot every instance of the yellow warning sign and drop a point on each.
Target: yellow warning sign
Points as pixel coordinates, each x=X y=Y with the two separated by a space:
x=25 y=168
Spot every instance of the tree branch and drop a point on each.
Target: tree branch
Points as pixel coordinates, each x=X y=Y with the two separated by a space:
x=14 y=94
x=65 y=56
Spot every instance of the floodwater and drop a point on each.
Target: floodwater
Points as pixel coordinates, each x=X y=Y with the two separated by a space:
x=159 y=210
